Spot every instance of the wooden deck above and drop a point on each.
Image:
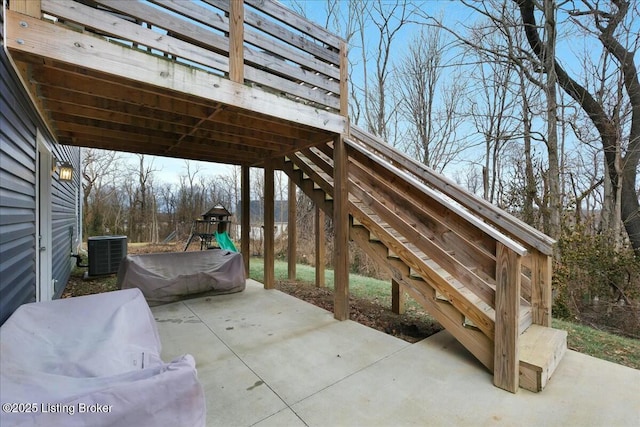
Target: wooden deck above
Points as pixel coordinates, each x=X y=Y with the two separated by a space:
x=180 y=79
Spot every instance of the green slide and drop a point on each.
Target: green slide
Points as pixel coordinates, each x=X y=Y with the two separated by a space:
x=225 y=242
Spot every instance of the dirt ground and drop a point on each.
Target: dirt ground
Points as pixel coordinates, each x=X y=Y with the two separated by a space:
x=411 y=326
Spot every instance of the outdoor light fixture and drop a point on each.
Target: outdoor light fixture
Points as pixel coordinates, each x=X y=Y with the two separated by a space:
x=66 y=172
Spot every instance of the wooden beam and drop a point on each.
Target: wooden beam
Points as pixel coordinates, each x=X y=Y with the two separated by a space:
x=398 y=297
x=321 y=259
x=344 y=80
x=292 y=231
x=541 y=296
x=27 y=7
x=341 y=230
x=236 y=41
x=506 y=351
x=269 y=223
x=245 y=190
x=94 y=53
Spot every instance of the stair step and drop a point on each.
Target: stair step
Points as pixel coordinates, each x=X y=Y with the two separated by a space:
x=541 y=349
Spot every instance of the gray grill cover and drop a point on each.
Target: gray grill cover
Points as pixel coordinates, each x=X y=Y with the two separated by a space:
x=61 y=357
x=168 y=277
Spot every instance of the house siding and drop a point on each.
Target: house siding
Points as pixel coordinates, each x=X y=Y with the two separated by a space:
x=19 y=125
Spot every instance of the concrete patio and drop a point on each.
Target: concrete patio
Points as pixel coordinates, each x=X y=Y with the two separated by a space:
x=268 y=359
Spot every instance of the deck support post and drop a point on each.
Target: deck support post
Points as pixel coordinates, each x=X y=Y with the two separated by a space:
x=320 y=247
x=245 y=227
x=506 y=351
x=292 y=231
x=269 y=223
x=398 y=297
x=236 y=41
x=341 y=230
x=541 y=298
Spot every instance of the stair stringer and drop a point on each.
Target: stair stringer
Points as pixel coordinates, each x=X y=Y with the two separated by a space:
x=449 y=316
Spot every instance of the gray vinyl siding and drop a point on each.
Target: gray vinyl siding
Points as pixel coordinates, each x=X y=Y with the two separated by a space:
x=64 y=221
x=17 y=195
x=19 y=123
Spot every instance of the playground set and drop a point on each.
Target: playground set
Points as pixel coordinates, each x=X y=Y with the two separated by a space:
x=212 y=229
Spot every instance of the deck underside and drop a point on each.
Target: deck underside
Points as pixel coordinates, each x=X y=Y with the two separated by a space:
x=96 y=93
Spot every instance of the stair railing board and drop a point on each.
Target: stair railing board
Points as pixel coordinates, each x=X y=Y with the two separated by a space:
x=449 y=230
x=505 y=222
x=427 y=246
x=115 y=26
x=287 y=45
x=445 y=201
x=279 y=51
x=539 y=288
x=507 y=330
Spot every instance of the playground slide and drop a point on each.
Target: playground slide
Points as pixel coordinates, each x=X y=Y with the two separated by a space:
x=225 y=242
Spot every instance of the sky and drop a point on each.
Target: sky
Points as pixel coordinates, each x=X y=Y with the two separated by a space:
x=452 y=13
x=170 y=169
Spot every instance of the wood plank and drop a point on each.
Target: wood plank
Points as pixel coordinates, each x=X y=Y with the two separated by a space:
x=447 y=315
x=93 y=53
x=506 y=353
x=292 y=231
x=281 y=50
x=273 y=29
x=27 y=7
x=245 y=188
x=480 y=207
x=120 y=28
x=480 y=318
x=292 y=88
x=398 y=298
x=269 y=224
x=236 y=41
x=452 y=229
x=427 y=246
x=541 y=350
x=300 y=23
x=541 y=293
x=291 y=71
x=344 y=81
x=452 y=242
x=23 y=71
x=341 y=231
x=440 y=198
x=320 y=247
x=203 y=35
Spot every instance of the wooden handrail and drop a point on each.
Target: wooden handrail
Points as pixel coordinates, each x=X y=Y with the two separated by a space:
x=479 y=207
x=450 y=204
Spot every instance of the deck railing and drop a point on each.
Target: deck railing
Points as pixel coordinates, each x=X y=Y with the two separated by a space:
x=255 y=42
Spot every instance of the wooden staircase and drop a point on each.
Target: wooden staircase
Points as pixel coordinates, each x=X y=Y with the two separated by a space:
x=484 y=275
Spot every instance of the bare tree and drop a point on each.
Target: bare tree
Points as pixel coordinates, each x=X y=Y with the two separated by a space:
x=99 y=176
x=610 y=22
x=428 y=102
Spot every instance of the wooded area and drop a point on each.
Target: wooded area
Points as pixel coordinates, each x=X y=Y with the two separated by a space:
x=534 y=105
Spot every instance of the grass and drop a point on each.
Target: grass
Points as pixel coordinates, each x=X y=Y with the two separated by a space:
x=584 y=339
x=601 y=344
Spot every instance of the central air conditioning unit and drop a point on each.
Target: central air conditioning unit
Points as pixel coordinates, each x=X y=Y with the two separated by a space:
x=105 y=254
